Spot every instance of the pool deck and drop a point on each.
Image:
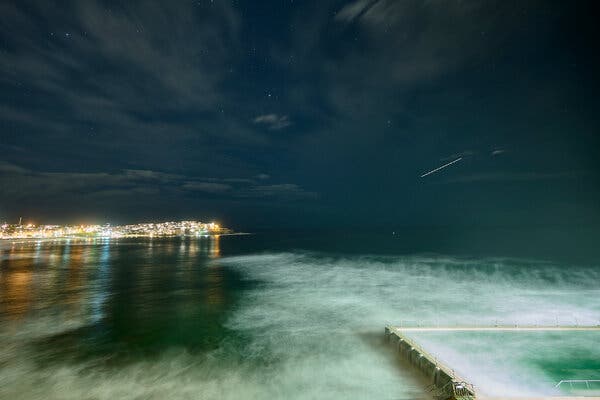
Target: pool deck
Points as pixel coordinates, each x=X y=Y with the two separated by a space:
x=496 y=328
x=538 y=398
x=446 y=383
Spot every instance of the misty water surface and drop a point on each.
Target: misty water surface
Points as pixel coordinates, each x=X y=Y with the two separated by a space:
x=273 y=317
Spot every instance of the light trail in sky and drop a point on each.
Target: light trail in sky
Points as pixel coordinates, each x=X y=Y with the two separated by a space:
x=442 y=167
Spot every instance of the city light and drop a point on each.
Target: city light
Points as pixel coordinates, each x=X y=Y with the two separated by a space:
x=148 y=229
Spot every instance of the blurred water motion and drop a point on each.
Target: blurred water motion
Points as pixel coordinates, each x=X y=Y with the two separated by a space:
x=118 y=290
x=230 y=318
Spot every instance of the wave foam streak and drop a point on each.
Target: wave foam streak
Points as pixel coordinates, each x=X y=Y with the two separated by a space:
x=307 y=298
x=309 y=327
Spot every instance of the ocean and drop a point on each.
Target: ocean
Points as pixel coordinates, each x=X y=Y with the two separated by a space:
x=292 y=315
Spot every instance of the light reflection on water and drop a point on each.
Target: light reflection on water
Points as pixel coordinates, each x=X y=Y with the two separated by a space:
x=76 y=278
x=163 y=318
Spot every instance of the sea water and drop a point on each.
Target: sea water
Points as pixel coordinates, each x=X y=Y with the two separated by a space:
x=278 y=315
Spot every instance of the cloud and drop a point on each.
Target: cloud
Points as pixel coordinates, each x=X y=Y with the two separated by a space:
x=250 y=189
x=137 y=191
x=392 y=47
x=273 y=121
x=207 y=187
x=11 y=169
x=141 y=174
x=351 y=11
x=514 y=176
x=463 y=154
x=144 y=77
x=263 y=177
x=284 y=190
x=19 y=183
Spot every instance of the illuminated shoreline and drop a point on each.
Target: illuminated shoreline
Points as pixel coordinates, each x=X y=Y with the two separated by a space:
x=108 y=231
x=93 y=238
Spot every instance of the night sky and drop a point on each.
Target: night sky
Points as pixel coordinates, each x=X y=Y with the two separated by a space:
x=300 y=113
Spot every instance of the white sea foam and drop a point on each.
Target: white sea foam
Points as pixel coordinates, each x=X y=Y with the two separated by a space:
x=307 y=295
x=308 y=325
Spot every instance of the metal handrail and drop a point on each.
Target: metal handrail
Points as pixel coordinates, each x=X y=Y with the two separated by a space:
x=458 y=388
x=459 y=385
x=573 y=321
x=572 y=381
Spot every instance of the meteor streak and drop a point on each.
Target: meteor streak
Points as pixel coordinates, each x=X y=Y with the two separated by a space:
x=442 y=167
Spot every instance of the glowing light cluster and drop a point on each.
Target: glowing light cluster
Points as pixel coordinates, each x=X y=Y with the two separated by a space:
x=148 y=229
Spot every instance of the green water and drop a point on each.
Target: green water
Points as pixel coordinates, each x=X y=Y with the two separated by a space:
x=520 y=362
x=278 y=316
x=133 y=298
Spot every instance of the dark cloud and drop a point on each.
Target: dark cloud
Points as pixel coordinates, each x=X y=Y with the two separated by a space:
x=273 y=121
x=208 y=187
x=20 y=182
x=263 y=176
x=515 y=176
x=399 y=45
x=284 y=191
x=340 y=103
x=126 y=75
x=353 y=10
